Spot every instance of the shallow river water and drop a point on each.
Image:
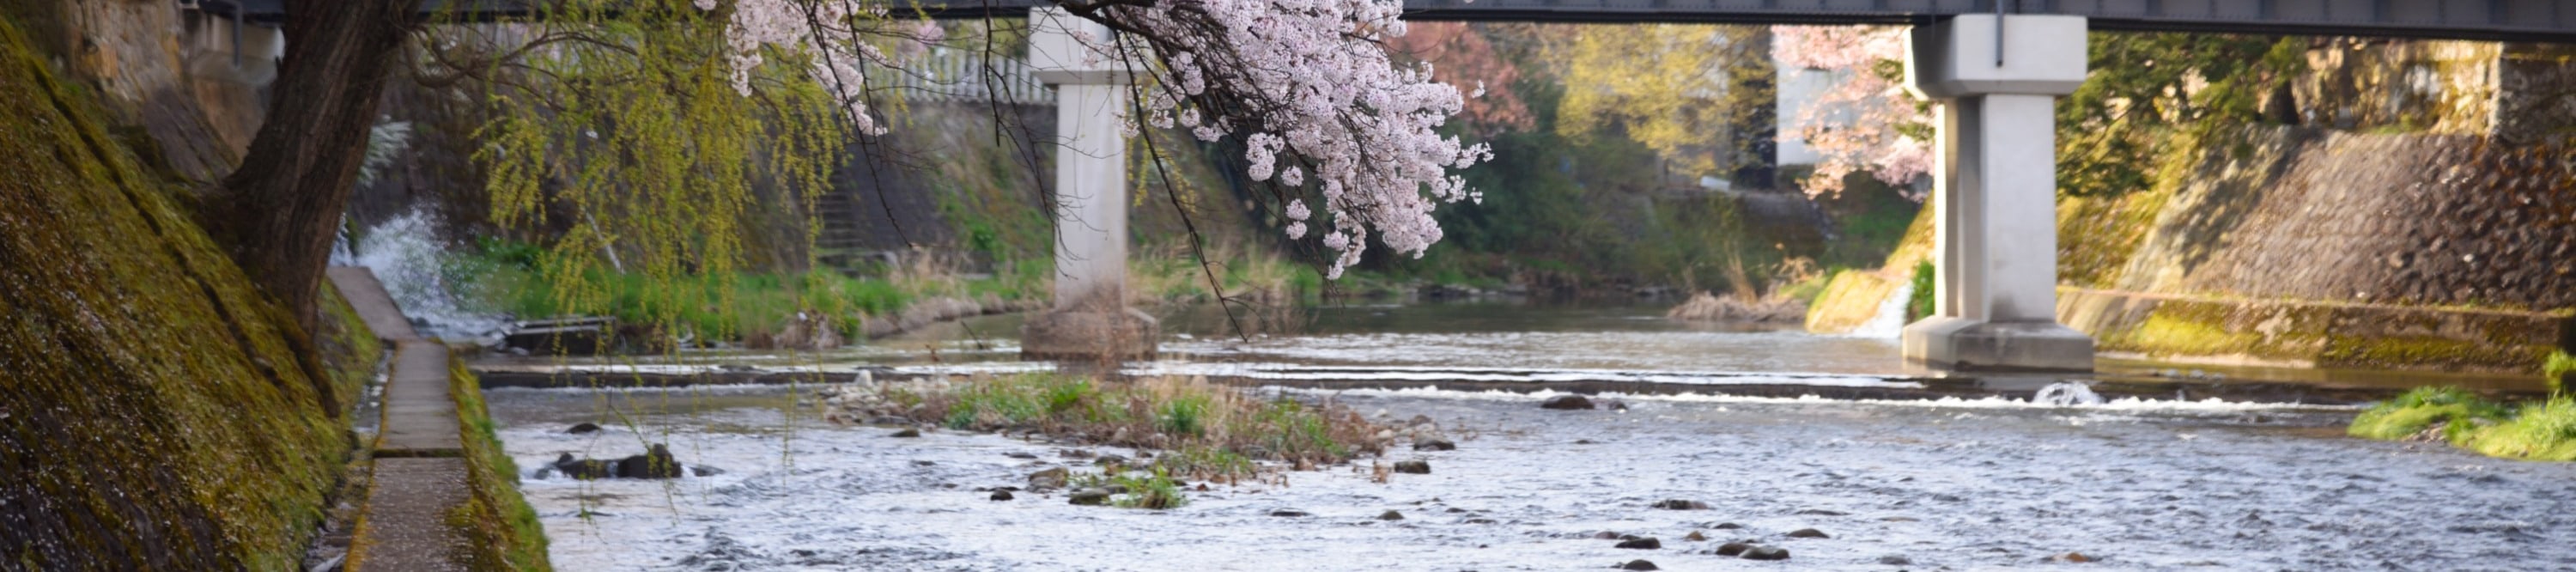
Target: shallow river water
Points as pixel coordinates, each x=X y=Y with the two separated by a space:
x=1955 y=484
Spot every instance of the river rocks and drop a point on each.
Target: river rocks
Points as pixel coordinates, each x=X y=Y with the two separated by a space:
x=1416 y=467
x=584 y=469
x=1088 y=496
x=1001 y=495
x=705 y=471
x=1390 y=515
x=1896 y=560
x=1566 y=402
x=1808 y=533
x=655 y=463
x=1021 y=455
x=1641 y=544
x=1726 y=526
x=1109 y=461
x=1608 y=535
x=583 y=428
x=1732 y=549
x=1680 y=504
x=2074 y=557
x=1696 y=536
x=1288 y=513
x=1434 y=444
x=1822 y=512
x=906 y=434
x=1049 y=479
x=1766 y=553
x=1639 y=564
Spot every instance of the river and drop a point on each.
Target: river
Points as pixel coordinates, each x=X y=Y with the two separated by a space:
x=1971 y=480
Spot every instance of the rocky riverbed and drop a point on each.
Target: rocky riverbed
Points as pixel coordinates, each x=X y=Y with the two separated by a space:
x=1949 y=484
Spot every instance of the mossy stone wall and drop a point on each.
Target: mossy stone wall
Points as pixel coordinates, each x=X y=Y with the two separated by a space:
x=154 y=414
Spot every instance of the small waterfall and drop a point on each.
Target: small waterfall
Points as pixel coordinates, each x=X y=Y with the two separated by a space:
x=414 y=265
x=1889 y=322
x=2066 y=394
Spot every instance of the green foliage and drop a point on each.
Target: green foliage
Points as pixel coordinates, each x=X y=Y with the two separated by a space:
x=505 y=530
x=1184 y=415
x=2459 y=412
x=1204 y=460
x=2555 y=371
x=1920 y=303
x=1153 y=489
x=2139 y=94
x=2544 y=431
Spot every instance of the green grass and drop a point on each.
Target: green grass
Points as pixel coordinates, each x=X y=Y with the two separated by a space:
x=506 y=531
x=2459 y=412
x=1920 y=304
x=2544 y=431
x=2555 y=371
x=1153 y=489
x=1212 y=432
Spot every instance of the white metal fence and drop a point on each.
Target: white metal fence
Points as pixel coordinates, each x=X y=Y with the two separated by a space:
x=945 y=75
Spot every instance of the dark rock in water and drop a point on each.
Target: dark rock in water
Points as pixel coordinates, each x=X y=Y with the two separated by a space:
x=907 y=433
x=1822 y=512
x=1766 y=553
x=1727 y=526
x=1615 y=405
x=1733 y=549
x=1895 y=560
x=1680 y=504
x=1288 y=512
x=1107 y=460
x=1049 y=479
x=1585 y=442
x=1642 y=544
x=1479 y=521
x=1001 y=495
x=1808 y=533
x=1434 y=444
x=1607 y=535
x=705 y=471
x=1390 y=515
x=919 y=463
x=1413 y=467
x=655 y=463
x=1695 y=536
x=2075 y=557
x=583 y=428
x=1076 y=453
x=1089 y=496
x=1566 y=402
x=1638 y=565
x=888 y=420
x=584 y=469
x=1020 y=455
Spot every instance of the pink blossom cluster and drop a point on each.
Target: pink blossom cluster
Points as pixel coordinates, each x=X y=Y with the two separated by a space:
x=1854 y=123
x=1311 y=89
x=826 y=32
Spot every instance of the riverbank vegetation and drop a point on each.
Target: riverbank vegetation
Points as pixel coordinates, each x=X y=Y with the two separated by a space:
x=1193 y=429
x=506 y=532
x=2540 y=431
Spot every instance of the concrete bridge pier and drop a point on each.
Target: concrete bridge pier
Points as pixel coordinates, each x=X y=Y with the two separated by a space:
x=1091 y=320
x=1994 y=191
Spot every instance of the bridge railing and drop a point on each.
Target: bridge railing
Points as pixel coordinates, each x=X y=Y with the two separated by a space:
x=949 y=75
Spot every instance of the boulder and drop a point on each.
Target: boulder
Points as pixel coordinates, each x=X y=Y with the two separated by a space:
x=583 y=428
x=1288 y=513
x=705 y=471
x=1413 y=467
x=584 y=469
x=1733 y=549
x=1566 y=402
x=1641 y=544
x=1638 y=565
x=655 y=463
x=1695 y=536
x=1001 y=495
x=1680 y=504
x=1434 y=444
x=1390 y=515
x=1808 y=533
x=1049 y=479
x=1089 y=496
x=907 y=433
x=1766 y=553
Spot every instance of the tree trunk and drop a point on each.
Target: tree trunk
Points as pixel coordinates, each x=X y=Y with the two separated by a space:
x=281 y=209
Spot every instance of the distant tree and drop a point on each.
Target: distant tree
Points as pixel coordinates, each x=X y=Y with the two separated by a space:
x=1865 y=119
x=1700 y=95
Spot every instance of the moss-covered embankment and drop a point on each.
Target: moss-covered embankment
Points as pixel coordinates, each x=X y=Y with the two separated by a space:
x=154 y=411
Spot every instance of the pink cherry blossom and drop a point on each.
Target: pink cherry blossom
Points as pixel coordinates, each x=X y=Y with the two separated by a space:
x=1855 y=124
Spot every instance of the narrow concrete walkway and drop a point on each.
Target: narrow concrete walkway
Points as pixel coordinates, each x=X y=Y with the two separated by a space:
x=419 y=476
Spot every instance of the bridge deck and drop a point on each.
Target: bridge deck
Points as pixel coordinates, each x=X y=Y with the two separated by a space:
x=2512 y=20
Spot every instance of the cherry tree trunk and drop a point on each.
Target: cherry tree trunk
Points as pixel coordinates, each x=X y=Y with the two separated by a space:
x=281 y=209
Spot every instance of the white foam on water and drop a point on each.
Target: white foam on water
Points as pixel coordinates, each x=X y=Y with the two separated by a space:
x=1889 y=322
x=414 y=265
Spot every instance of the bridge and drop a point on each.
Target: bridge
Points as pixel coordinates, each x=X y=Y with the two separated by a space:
x=1997 y=66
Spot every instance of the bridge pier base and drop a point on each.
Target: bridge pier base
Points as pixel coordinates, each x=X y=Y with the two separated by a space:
x=1995 y=190
x=1091 y=320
